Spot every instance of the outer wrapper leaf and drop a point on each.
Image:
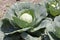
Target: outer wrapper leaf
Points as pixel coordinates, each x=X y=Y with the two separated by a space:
x=1 y=33
x=57 y=28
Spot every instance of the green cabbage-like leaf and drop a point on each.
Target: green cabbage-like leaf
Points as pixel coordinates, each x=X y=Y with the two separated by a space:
x=20 y=23
x=53 y=7
x=26 y=36
x=57 y=28
x=1 y=33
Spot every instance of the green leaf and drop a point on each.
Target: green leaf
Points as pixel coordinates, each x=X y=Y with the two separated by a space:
x=57 y=27
x=7 y=26
x=53 y=8
x=50 y=25
x=53 y=11
x=38 y=27
x=50 y=36
x=26 y=36
x=20 y=23
x=1 y=33
x=20 y=31
x=9 y=14
x=57 y=20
